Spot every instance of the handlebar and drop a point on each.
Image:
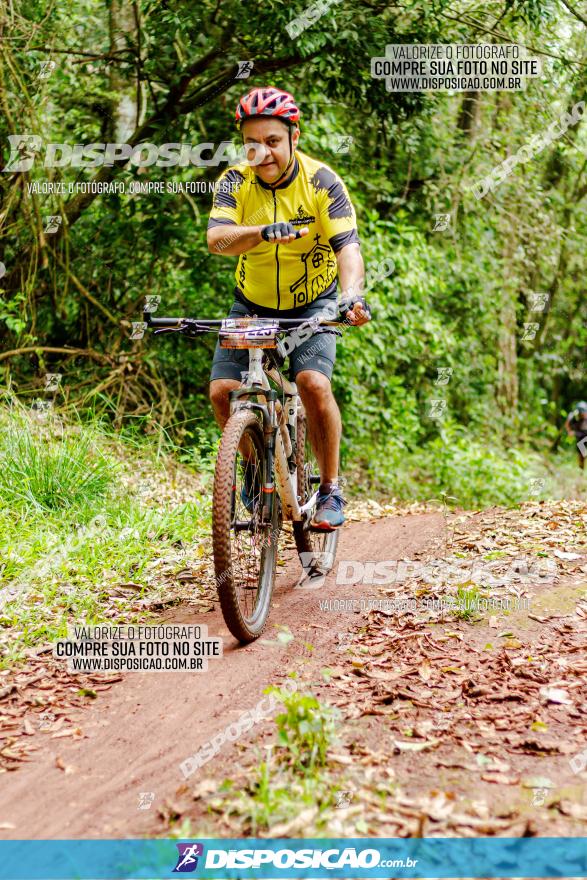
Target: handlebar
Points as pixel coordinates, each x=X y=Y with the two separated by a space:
x=195 y=326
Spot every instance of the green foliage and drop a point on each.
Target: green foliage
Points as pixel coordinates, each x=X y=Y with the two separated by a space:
x=275 y=796
x=458 y=299
x=294 y=776
x=305 y=728
x=68 y=542
x=467 y=600
x=42 y=471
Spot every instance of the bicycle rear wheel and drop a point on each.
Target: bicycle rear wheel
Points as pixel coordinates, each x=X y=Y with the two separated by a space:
x=245 y=548
x=316 y=548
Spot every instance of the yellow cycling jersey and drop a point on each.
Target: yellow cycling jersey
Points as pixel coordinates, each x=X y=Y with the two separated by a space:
x=291 y=275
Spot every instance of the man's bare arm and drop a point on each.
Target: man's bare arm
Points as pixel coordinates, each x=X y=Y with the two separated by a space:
x=233 y=240
x=351 y=270
x=351 y=274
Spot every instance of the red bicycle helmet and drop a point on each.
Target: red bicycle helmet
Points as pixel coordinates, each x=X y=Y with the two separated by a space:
x=267 y=102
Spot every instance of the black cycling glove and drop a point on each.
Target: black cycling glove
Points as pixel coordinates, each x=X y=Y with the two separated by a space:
x=346 y=305
x=269 y=233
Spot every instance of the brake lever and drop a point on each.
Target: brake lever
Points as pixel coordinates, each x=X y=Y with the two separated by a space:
x=188 y=328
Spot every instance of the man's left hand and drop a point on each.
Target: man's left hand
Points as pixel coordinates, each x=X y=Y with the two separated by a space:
x=359 y=313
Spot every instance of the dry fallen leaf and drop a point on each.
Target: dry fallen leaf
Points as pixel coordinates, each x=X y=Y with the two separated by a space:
x=415 y=746
x=501 y=778
x=561 y=554
x=576 y=811
x=67 y=768
x=425 y=670
x=555 y=695
x=206 y=786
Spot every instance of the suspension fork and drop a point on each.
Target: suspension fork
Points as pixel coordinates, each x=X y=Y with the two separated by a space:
x=270 y=429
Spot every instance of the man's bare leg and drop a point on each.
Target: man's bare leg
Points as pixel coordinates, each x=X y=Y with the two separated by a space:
x=219 y=390
x=324 y=423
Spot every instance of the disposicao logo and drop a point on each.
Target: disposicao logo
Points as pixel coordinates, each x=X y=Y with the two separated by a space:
x=187 y=860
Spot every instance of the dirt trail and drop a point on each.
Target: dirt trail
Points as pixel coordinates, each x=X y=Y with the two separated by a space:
x=137 y=734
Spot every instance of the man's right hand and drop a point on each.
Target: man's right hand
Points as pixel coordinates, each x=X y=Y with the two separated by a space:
x=282 y=233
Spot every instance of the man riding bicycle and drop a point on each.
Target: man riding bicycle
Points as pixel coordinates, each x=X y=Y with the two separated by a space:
x=291 y=223
x=576 y=424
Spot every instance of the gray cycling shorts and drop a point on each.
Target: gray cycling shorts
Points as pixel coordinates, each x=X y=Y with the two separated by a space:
x=318 y=352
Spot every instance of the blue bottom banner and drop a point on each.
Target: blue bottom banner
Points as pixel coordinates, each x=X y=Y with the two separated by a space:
x=313 y=858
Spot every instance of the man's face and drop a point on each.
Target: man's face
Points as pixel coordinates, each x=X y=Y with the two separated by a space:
x=273 y=152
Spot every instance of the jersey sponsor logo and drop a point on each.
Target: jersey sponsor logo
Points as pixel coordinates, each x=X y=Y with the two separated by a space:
x=302 y=218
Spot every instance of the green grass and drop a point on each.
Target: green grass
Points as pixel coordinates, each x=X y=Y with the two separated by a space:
x=46 y=471
x=295 y=775
x=305 y=728
x=467 y=600
x=82 y=513
x=475 y=471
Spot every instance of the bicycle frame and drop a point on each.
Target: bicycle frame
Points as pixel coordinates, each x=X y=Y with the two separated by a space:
x=278 y=431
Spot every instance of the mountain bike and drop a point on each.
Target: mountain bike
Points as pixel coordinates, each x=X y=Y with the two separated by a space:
x=266 y=472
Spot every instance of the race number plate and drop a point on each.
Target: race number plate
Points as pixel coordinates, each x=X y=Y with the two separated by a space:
x=248 y=333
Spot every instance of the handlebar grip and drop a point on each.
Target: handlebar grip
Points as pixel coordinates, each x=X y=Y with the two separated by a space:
x=163 y=322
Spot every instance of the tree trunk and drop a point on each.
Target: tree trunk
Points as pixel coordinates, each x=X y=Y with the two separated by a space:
x=468 y=121
x=508 y=385
x=124 y=106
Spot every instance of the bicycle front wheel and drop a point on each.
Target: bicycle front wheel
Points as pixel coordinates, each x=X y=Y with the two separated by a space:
x=245 y=546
